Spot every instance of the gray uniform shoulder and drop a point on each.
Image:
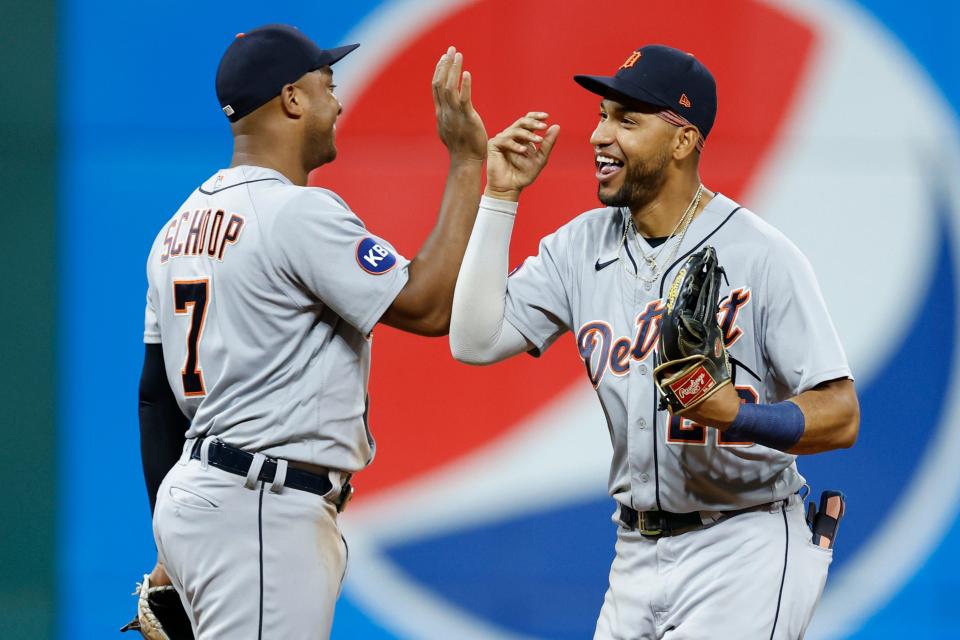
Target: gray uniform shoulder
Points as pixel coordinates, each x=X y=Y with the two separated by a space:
x=761 y=248
x=317 y=197
x=584 y=237
x=591 y=222
x=288 y=212
x=579 y=242
x=289 y=199
x=765 y=237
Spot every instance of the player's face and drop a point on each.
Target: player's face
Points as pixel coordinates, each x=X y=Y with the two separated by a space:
x=321 y=117
x=631 y=147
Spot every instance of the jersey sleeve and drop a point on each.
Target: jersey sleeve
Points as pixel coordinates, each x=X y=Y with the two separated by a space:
x=324 y=247
x=799 y=338
x=537 y=301
x=151 y=320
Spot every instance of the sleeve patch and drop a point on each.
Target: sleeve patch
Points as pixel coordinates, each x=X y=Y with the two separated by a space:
x=374 y=258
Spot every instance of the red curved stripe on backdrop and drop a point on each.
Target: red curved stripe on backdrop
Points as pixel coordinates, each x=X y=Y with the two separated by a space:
x=427 y=409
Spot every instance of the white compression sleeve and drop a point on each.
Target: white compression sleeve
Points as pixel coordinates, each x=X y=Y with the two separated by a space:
x=478 y=332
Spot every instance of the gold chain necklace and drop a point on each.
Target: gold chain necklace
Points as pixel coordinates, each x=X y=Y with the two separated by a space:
x=678 y=234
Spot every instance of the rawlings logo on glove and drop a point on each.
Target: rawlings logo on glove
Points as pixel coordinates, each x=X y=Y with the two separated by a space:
x=693 y=386
x=694 y=363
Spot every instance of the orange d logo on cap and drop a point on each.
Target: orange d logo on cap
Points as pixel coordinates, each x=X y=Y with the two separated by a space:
x=632 y=60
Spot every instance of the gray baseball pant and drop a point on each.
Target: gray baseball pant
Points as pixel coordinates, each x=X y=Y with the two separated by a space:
x=248 y=560
x=756 y=575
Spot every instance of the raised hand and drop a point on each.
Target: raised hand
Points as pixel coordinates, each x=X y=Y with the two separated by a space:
x=516 y=155
x=459 y=125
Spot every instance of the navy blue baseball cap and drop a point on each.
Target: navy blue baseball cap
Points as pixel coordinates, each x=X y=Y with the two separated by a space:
x=663 y=77
x=259 y=63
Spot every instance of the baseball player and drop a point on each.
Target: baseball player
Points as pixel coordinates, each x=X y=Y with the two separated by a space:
x=263 y=296
x=711 y=539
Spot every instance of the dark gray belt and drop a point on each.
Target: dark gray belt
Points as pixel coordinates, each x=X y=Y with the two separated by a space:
x=659 y=524
x=237 y=461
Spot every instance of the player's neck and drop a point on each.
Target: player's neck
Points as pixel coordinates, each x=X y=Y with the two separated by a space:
x=250 y=150
x=658 y=218
x=295 y=174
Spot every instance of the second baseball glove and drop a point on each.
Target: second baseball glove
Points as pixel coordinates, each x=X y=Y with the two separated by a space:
x=694 y=363
x=160 y=614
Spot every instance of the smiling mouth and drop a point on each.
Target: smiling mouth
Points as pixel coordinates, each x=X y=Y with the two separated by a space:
x=607 y=167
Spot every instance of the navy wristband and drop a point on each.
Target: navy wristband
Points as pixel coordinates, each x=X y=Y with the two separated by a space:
x=778 y=426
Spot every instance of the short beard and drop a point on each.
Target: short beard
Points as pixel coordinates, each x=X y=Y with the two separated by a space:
x=321 y=147
x=641 y=185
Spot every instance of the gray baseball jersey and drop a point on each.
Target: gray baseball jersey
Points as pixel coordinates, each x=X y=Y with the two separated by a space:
x=264 y=295
x=776 y=328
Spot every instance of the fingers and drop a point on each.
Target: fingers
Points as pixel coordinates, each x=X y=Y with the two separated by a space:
x=549 y=139
x=524 y=134
x=453 y=73
x=532 y=121
x=466 y=90
x=440 y=75
x=505 y=143
x=510 y=140
x=517 y=155
x=437 y=74
x=439 y=70
x=452 y=87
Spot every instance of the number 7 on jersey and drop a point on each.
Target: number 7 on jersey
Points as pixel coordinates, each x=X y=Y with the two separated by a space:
x=190 y=297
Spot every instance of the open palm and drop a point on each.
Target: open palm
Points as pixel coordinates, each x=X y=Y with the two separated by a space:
x=458 y=123
x=517 y=154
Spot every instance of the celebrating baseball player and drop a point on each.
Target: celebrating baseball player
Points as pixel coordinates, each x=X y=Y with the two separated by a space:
x=704 y=332
x=263 y=295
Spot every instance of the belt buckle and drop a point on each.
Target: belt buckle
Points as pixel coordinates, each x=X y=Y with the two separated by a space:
x=648 y=528
x=346 y=493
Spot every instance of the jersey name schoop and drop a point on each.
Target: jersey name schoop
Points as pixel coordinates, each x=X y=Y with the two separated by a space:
x=264 y=294
x=201 y=232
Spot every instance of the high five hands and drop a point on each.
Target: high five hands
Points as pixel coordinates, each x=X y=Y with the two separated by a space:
x=459 y=125
x=516 y=155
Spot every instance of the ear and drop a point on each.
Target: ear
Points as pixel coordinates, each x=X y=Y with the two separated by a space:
x=292 y=101
x=685 y=142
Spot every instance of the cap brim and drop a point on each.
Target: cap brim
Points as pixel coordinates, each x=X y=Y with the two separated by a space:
x=612 y=87
x=337 y=53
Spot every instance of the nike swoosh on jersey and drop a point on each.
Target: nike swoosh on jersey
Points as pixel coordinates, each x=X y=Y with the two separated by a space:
x=604 y=265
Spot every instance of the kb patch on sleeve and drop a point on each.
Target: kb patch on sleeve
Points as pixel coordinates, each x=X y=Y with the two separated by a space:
x=374 y=258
